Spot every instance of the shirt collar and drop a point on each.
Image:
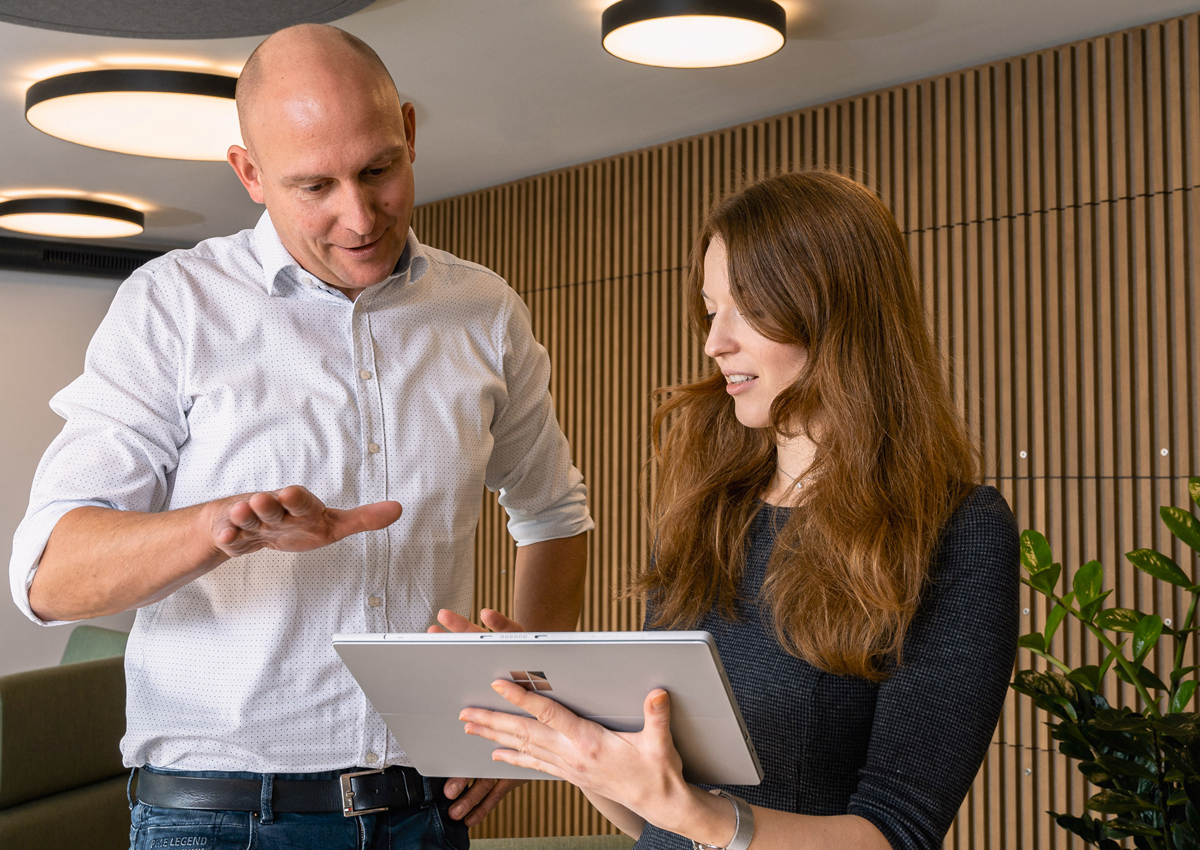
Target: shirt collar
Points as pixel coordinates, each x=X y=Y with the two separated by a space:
x=276 y=260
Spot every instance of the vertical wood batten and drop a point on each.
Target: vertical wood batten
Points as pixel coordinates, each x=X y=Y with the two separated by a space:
x=1049 y=203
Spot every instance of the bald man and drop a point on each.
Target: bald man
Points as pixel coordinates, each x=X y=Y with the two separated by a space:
x=253 y=414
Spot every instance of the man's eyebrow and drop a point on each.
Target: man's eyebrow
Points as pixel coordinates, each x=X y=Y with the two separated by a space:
x=384 y=156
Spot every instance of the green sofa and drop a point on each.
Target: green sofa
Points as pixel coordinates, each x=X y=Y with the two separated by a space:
x=61 y=779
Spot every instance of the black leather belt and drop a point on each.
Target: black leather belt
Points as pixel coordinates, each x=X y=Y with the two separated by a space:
x=353 y=793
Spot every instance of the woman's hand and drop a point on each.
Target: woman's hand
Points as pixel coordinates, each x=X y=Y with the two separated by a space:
x=481 y=795
x=452 y=621
x=641 y=771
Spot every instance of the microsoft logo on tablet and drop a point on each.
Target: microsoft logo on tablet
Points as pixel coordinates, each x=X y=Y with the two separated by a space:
x=531 y=680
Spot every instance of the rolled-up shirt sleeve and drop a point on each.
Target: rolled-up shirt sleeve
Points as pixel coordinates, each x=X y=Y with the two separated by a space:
x=125 y=421
x=935 y=716
x=530 y=465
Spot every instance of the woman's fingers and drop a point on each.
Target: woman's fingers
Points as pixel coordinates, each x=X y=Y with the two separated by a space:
x=452 y=621
x=497 y=622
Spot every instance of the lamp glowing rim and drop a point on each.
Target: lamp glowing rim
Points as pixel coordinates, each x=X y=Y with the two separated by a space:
x=626 y=12
x=73 y=206
x=130 y=80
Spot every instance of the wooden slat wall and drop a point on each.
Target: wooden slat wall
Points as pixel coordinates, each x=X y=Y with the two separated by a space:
x=1049 y=203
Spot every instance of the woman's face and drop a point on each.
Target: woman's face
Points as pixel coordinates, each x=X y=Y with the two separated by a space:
x=756 y=369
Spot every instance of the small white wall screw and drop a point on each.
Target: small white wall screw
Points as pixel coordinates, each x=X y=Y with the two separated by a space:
x=1167 y=622
x=1025 y=611
x=1024 y=454
x=1029 y=771
x=1164 y=452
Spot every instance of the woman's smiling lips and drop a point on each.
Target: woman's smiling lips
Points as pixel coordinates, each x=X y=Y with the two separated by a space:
x=738 y=382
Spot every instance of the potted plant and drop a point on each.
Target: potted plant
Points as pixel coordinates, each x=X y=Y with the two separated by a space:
x=1144 y=760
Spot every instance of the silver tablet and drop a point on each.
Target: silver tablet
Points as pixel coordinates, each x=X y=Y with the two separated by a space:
x=420 y=682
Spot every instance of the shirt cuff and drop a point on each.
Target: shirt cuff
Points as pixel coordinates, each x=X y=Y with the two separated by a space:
x=566 y=519
x=28 y=545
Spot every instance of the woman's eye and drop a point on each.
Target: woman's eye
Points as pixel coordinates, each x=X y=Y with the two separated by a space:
x=708 y=317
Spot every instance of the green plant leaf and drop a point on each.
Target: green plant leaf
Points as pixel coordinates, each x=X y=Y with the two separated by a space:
x=1121 y=720
x=1045 y=581
x=1146 y=677
x=1035 y=551
x=1132 y=826
x=1159 y=566
x=1185 y=837
x=1088 y=612
x=1183 y=525
x=1033 y=640
x=1089 y=581
x=1088 y=675
x=1086 y=827
x=1076 y=750
x=1145 y=636
x=1053 y=621
x=1194 y=488
x=1125 y=767
x=1110 y=658
x=1183 y=696
x=1116 y=802
x=1176 y=675
x=1118 y=619
x=1181 y=726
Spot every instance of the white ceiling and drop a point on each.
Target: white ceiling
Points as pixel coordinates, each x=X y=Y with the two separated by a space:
x=509 y=88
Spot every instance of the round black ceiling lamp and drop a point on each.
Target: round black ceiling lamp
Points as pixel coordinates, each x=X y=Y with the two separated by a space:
x=75 y=218
x=693 y=33
x=142 y=111
x=175 y=18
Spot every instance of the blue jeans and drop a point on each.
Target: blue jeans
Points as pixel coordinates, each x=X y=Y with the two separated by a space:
x=408 y=828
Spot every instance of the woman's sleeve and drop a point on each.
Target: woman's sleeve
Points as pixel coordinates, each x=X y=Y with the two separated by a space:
x=935 y=716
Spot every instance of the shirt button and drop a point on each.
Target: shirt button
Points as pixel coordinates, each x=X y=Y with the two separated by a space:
x=373 y=448
x=365 y=375
x=372 y=758
x=374 y=601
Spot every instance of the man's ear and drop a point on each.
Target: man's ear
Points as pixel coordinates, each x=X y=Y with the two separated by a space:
x=409 y=114
x=247 y=171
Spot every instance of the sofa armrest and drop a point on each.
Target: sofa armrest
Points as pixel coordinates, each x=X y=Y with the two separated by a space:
x=60 y=728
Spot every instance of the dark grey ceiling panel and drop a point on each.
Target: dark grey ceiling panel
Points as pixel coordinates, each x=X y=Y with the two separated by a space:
x=174 y=18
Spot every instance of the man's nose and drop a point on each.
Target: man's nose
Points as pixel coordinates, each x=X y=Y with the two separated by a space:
x=358 y=211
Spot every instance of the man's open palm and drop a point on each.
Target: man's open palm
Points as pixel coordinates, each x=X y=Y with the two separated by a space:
x=290 y=520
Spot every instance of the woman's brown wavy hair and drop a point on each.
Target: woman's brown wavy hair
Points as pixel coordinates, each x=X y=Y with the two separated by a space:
x=815 y=259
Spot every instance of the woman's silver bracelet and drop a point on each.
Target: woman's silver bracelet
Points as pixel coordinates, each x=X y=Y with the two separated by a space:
x=743 y=830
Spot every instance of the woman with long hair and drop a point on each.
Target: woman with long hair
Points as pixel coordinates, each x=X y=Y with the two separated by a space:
x=817 y=510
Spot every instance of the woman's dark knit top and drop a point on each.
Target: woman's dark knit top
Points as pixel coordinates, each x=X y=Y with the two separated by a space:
x=902 y=753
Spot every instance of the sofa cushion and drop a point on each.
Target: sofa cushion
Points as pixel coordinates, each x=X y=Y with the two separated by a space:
x=91 y=818
x=60 y=728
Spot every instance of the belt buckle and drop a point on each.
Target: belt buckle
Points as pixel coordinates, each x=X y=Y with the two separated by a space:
x=348 y=809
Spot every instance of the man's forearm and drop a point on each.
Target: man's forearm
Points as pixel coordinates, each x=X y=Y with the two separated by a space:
x=102 y=561
x=549 y=584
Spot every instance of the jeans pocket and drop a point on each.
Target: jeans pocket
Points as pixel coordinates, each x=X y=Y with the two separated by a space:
x=451 y=833
x=155 y=828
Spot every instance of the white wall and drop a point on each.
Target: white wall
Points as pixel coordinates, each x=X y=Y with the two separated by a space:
x=45 y=324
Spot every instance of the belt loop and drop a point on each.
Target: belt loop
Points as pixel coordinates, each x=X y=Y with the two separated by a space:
x=268 y=790
x=428 y=791
x=129 y=788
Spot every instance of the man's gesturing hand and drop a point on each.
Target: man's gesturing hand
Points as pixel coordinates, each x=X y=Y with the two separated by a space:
x=290 y=520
